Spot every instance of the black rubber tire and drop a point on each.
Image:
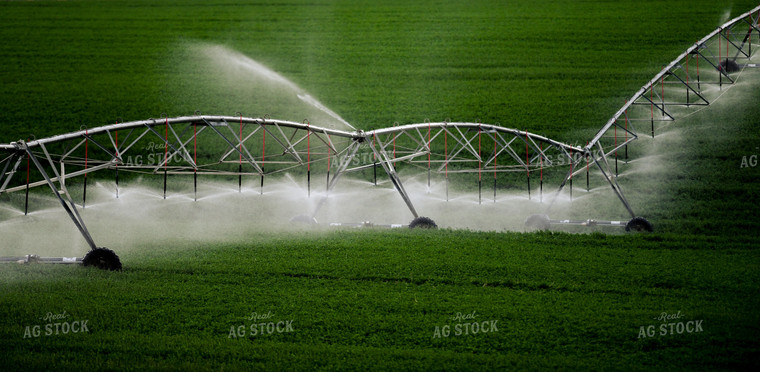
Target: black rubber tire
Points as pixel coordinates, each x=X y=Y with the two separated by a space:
x=304 y=219
x=638 y=224
x=537 y=222
x=422 y=223
x=102 y=258
x=729 y=66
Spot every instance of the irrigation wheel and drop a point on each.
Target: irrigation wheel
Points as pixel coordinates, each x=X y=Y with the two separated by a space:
x=639 y=224
x=422 y=223
x=102 y=258
x=537 y=222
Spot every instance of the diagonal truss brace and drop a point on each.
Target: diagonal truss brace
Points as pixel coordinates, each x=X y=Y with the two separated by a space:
x=385 y=160
x=247 y=155
x=67 y=203
x=342 y=168
x=8 y=176
x=612 y=180
x=568 y=177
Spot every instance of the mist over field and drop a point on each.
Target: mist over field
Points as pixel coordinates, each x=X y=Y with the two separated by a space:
x=231 y=282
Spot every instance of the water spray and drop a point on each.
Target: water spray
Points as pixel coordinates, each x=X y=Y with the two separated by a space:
x=293 y=142
x=310 y=100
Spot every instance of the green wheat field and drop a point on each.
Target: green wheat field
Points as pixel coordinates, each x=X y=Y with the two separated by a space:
x=252 y=298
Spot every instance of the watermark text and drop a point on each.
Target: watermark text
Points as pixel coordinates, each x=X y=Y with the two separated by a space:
x=260 y=324
x=670 y=324
x=466 y=325
x=56 y=324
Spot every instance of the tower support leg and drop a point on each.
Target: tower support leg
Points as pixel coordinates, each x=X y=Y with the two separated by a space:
x=390 y=170
x=67 y=203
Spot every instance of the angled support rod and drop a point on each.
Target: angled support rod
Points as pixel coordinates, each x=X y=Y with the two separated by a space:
x=66 y=155
x=660 y=107
x=721 y=70
x=12 y=172
x=126 y=148
x=67 y=204
x=507 y=146
x=570 y=174
x=464 y=143
x=613 y=183
x=739 y=49
x=287 y=148
x=230 y=151
x=248 y=159
x=387 y=164
x=344 y=163
x=98 y=144
x=692 y=90
x=184 y=154
x=66 y=176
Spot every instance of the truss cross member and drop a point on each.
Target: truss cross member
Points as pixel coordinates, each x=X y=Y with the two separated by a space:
x=568 y=177
x=344 y=163
x=18 y=158
x=612 y=181
x=68 y=203
x=379 y=150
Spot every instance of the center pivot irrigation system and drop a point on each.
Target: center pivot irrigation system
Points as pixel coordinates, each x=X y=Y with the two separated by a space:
x=245 y=147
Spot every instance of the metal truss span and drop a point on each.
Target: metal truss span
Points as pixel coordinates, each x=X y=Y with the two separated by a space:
x=691 y=81
x=238 y=146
